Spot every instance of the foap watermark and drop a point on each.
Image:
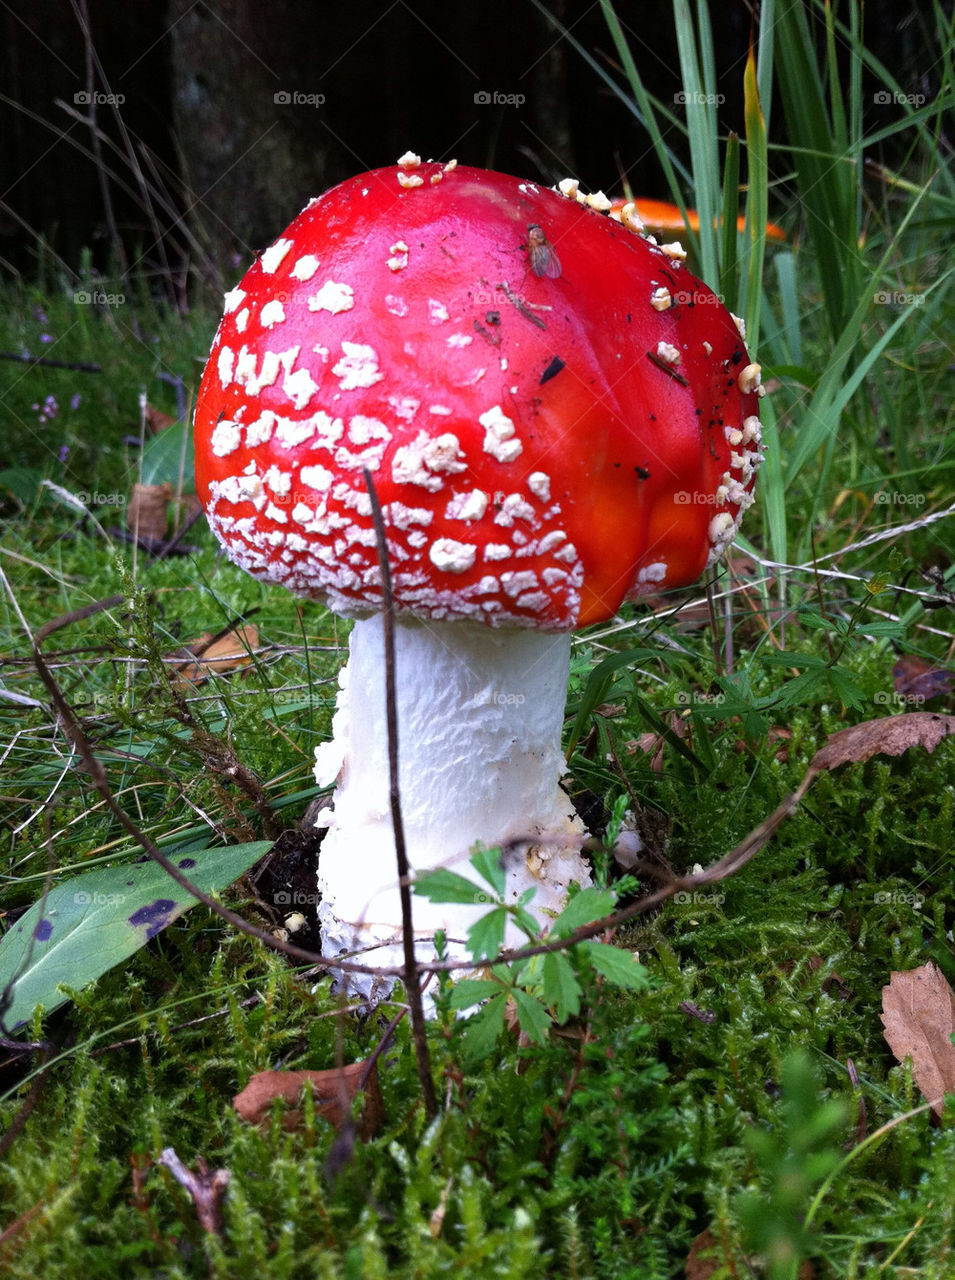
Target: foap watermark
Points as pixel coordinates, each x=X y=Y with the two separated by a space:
x=496 y=300
x=687 y=498
x=98 y=298
x=896 y=298
x=494 y=98
x=295 y=98
x=896 y=499
x=896 y=898
x=83 y=899
x=95 y=99
x=687 y=298
x=883 y=98
x=698 y=899
x=684 y=699
x=296 y=898
x=102 y=499
x=683 y=99
x=885 y=699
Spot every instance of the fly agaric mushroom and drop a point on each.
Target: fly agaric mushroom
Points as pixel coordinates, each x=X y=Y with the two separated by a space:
x=550 y=432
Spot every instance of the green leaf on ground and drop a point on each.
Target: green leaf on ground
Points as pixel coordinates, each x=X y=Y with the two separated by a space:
x=95 y=921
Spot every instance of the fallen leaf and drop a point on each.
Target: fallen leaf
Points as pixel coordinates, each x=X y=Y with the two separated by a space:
x=156 y=420
x=917 y=679
x=147 y=512
x=254 y=1102
x=707 y=1258
x=210 y=655
x=652 y=744
x=918 y=1014
x=610 y=709
x=889 y=735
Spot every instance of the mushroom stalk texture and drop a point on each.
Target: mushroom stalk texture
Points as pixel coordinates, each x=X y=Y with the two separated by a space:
x=479 y=714
x=556 y=416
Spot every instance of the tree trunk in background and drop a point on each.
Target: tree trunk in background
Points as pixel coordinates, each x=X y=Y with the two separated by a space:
x=490 y=83
x=246 y=171
x=390 y=79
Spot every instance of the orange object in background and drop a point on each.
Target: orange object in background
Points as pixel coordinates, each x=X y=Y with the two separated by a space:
x=659 y=215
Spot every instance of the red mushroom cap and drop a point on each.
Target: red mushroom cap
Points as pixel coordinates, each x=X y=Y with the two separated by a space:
x=557 y=415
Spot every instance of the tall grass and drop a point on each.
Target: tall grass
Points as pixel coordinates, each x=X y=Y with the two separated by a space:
x=815 y=310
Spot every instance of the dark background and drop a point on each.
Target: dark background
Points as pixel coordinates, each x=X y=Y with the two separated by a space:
x=206 y=167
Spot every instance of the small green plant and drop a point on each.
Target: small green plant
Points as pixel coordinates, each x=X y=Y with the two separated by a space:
x=792 y=1161
x=546 y=987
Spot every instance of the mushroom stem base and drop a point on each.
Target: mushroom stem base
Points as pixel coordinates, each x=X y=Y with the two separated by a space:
x=479 y=724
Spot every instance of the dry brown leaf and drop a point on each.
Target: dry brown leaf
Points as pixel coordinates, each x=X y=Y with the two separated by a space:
x=254 y=1102
x=156 y=420
x=889 y=735
x=707 y=1258
x=147 y=512
x=205 y=657
x=610 y=709
x=918 y=680
x=652 y=745
x=918 y=1014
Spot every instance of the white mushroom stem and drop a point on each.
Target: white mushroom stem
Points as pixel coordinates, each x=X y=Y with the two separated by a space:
x=479 y=724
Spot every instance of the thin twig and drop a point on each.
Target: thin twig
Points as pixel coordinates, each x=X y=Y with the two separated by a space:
x=412 y=985
x=714 y=632
x=207 y=1188
x=75 y=366
x=97 y=775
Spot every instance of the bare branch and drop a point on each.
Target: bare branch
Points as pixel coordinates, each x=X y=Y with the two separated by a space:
x=412 y=985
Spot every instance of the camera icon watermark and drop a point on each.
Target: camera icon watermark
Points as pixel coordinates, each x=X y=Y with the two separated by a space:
x=897 y=898
x=687 y=297
x=296 y=898
x=102 y=499
x=493 y=98
x=83 y=899
x=98 y=298
x=684 y=897
x=294 y=98
x=508 y=699
x=900 y=499
x=896 y=298
x=84 y=98
x=689 y=498
x=883 y=98
x=885 y=699
x=683 y=99
x=684 y=699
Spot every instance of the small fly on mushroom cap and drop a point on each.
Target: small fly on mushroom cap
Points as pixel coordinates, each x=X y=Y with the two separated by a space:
x=545 y=444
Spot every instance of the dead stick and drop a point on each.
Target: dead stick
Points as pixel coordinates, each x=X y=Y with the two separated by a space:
x=98 y=776
x=412 y=985
x=76 y=367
